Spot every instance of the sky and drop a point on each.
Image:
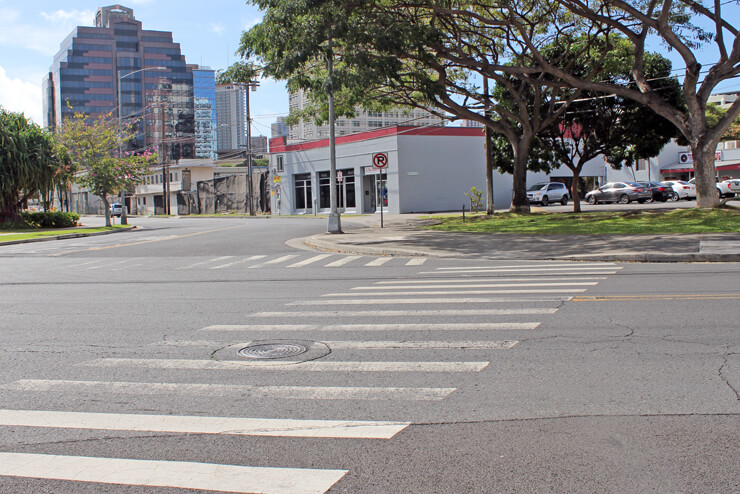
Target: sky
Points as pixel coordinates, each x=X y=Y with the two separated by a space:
x=208 y=33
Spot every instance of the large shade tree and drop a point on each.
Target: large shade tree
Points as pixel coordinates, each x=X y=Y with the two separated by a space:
x=418 y=53
x=31 y=163
x=619 y=129
x=94 y=145
x=688 y=28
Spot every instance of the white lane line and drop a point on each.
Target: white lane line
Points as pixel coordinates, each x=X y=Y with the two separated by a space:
x=106 y=265
x=216 y=259
x=469 y=292
x=446 y=300
x=472 y=285
x=274 y=261
x=342 y=262
x=455 y=281
x=310 y=260
x=203 y=425
x=379 y=261
x=569 y=270
x=575 y=265
x=478 y=326
x=231 y=390
x=421 y=345
x=311 y=366
x=416 y=262
x=250 y=258
x=157 y=473
x=397 y=313
x=372 y=345
x=85 y=263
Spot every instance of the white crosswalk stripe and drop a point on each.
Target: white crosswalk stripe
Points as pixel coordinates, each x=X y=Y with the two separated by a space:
x=480 y=326
x=342 y=262
x=435 y=301
x=245 y=391
x=310 y=366
x=158 y=473
x=310 y=260
x=407 y=313
x=203 y=425
x=421 y=367
x=379 y=261
x=229 y=264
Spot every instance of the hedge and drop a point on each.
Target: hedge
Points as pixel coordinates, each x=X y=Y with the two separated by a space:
x=56 y=219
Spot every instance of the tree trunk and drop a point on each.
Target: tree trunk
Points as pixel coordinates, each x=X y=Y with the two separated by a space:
x=490 y=207
x=706 y=185
x=519 y=201
x=575 y=189
x=104 y=197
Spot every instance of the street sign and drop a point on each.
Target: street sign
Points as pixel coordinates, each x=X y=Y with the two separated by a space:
x=380 y=160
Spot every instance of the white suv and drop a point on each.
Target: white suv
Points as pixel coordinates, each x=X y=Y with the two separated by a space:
x=547 y=192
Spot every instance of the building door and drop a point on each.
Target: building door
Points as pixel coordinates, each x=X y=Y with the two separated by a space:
x=381 y=190
x=303 y=195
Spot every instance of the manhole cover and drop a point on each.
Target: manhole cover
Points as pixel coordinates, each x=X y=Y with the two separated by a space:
x=272 y=350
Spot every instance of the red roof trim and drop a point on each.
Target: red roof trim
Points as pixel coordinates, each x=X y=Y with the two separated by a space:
x=731 y=166
x=278 y=145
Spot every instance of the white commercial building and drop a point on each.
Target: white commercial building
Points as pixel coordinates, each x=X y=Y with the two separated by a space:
x=430 y=169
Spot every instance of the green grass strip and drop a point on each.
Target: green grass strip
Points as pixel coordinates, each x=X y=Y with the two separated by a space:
x=598 y=223
x=8 y=236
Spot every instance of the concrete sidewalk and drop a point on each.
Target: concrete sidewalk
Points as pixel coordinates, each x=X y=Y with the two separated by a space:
x=403 y=236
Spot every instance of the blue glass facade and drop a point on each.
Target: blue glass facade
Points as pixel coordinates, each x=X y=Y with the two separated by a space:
x=95 y=65
x=204 y=91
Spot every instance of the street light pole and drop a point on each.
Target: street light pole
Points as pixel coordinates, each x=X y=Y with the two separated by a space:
x=335 y=222
x=250 y=195
x=124 y=220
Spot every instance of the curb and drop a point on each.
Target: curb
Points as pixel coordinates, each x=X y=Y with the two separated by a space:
x=318 y=242
x=66 y=236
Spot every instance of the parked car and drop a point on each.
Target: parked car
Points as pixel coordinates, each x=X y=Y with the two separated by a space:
x=661 y=192
x=547 y=192
x=116 y=209
x=729 y=188
x=623 y=192
x=683 y=189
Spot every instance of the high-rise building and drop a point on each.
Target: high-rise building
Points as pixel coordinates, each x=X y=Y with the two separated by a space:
x=231 y=111
x=279 y=128
x=97 y=64
x=206 y=121
x=363 y=121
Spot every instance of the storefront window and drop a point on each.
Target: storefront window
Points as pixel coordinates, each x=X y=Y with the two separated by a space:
x=345 y=190
x=303 y=191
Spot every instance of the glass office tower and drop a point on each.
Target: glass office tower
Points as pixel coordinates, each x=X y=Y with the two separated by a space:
x=204 y=90
x=92 y=68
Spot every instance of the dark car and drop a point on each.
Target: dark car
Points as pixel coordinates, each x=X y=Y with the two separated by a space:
x=623 y=192
x=661 y=192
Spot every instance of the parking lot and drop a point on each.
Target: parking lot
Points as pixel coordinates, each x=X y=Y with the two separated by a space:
x=633 y=206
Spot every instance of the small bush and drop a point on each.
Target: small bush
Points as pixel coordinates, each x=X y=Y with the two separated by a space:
x=50 y=219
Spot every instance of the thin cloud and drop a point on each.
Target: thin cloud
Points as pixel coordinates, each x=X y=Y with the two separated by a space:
x=44 y=36
x=21 y=96
x=217 y=28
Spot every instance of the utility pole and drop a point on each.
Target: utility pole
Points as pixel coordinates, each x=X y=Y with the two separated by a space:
x=164 y=159
x=250 y=193
x=335 y=222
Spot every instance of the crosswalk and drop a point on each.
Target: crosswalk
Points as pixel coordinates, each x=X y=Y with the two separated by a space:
x=445 y=323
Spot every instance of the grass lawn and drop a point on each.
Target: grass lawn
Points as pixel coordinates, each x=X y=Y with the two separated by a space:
x=9 y=235
x=603 y=223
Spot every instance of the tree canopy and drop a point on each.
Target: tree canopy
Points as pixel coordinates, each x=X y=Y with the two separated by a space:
x=31 y=163
x=94 y=146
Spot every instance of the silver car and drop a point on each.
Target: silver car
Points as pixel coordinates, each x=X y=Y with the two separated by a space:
x=547 y=192
x=622 y=192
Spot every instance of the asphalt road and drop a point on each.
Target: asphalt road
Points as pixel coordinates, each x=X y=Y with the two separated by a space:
x=445 y=375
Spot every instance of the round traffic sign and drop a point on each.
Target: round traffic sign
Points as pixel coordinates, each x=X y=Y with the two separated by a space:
x=380 y=160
